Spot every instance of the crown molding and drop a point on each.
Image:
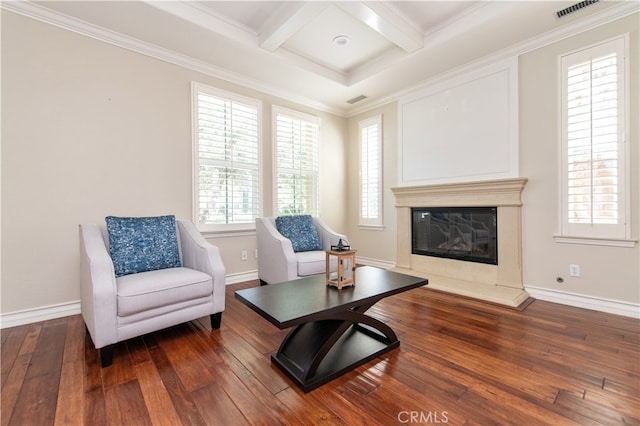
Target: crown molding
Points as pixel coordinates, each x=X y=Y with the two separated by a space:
x=590 y=22
x=69 y=23
x=66 y=22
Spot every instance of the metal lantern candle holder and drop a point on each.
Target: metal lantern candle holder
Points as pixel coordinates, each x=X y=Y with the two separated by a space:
x=341 y=246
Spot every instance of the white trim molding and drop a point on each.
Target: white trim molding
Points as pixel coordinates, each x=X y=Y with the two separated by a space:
x=241 y=277
x=43 y=313
x=617 y=307
x=41 y=13
x=383 y=264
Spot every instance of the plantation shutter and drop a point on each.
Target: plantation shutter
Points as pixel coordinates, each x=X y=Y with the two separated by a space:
x=371 y=171
x=227 y=159
x=593 y=129
x=296 y=156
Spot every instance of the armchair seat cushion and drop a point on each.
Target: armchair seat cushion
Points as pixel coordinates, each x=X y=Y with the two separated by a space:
x=313 y=262
x=154 y=289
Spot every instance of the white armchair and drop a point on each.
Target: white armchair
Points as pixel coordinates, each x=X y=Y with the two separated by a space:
x=277 y=262
x=119 y=308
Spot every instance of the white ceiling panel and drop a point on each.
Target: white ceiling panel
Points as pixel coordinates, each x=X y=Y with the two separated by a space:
x=314 y=41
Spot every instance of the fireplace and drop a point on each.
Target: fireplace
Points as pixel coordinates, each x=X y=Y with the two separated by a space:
x=498 y=281
x=462 y=233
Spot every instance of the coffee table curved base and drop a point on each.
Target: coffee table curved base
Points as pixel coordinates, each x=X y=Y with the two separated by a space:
x=318 y=351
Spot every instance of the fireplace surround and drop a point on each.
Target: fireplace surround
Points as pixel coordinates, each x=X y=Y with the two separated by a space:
x=499 y=283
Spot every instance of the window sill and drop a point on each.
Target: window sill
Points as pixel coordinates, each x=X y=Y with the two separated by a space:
x=612 y=242
x=228 y=233
x=371 y=227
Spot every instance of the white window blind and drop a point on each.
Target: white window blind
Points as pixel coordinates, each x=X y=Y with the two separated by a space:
x=226 y=145
x=593 y=140
x=296 y=162
x=371 y=171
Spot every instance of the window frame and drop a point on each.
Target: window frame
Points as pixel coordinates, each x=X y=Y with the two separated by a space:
x=597 y=234
x=313 y=120
x=376 y=223
x=229 y=229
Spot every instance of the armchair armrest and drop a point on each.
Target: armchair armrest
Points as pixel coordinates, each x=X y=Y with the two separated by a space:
x=276 y=260
x=97 y=286
x=328 y=237
x=199 y=254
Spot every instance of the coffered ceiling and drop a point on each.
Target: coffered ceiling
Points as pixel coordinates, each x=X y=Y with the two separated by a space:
x=321 y=53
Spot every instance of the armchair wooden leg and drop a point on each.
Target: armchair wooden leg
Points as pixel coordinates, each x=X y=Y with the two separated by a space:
x=216 y=320
x=106 y=356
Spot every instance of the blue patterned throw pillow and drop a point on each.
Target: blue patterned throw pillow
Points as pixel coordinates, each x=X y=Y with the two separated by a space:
x=300 y=230
x=139 y=244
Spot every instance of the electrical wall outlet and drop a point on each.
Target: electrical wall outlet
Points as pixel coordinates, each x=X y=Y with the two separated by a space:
x=243 y=255
x=574 y=270
x=255 y=253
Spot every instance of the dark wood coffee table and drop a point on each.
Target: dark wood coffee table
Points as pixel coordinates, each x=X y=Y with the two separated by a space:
x=332 y=334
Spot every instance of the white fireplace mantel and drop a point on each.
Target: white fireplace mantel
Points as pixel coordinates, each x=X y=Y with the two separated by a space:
x=501 y=283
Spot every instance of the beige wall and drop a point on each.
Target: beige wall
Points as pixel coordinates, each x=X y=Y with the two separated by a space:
x=90 y=130
x=606 y=272
x=375 y=245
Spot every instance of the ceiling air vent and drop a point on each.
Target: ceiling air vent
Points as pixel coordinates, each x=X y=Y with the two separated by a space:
x=575 y=7
x=356 y=99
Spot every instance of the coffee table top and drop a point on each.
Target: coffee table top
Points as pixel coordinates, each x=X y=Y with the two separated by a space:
x=294 y=302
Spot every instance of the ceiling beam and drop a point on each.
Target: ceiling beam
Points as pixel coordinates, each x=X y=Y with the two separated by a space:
x=383 y=19
x=288 y=19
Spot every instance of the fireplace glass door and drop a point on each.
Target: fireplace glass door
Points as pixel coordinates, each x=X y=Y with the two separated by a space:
x=462 y=233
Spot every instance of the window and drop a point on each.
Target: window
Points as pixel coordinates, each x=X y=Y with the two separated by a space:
x=594 y=150
x=296 y=162
x=226 y=138
x=371 y=172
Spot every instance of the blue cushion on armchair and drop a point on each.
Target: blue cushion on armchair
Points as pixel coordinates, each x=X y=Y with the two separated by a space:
x=139 y=244
x=301 y=231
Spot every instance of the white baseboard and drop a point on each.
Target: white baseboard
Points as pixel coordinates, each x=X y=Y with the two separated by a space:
x=28 y=316
x=241 y=277
x=588 y=302
x=374 y=262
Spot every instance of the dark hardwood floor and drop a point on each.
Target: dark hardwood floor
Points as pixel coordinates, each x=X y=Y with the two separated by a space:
x=460 y=361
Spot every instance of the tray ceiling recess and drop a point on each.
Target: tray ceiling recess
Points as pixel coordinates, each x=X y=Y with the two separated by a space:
x=343 y=41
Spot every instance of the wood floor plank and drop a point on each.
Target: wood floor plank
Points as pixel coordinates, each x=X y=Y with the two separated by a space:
x=182 y=401
x=95 y=412
x=584 y=413
x=14 y=379
x=253 y=361
x=187 y=362
x=125 y=404
x=70 y=405
x=37 y=399
x=460 y=361
x=626 y=403
x=255 y=402
x=306 y=410
x=216 y=407
x=13 y=339
x=157 y=399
